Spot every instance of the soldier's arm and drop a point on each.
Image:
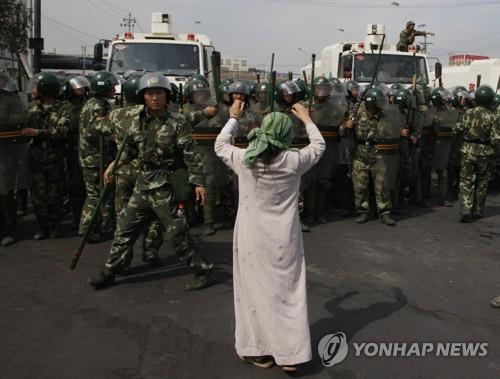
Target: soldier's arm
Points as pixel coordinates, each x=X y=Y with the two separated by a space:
x=462 y=125
x=59 y=124
x=495 y=136
x=191 y=155
x=196 y=117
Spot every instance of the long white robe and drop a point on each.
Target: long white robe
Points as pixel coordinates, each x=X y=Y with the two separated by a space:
x=269 y=271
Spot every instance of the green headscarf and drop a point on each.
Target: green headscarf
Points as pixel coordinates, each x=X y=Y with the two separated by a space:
x=276 y=130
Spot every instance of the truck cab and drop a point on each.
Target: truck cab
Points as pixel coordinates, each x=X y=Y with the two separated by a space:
x=357 y=61
x=178 y=56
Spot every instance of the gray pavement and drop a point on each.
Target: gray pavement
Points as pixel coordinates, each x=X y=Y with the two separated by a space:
x=429 y=279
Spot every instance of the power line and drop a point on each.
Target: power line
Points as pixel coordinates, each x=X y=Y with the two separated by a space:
x=116 y=7
x=103 y=10
x=51 y=23
x=70 y=27
x=431 y=5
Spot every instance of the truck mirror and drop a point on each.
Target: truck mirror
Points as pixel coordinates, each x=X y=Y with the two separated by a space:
x=98 y=52
x=438 y=70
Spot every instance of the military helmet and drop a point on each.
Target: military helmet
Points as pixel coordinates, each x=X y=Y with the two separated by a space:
x=441 y=96
x=393 y=90
x=382 y=87
x=130 y=89
x=496 y=102
x=403 y=97
x=458 y=88
x=262 y=87
x=103 y=82
x=74 y=83
x=304 y=90
x=153 y=80
x=227 y=81
x=351 y=86
x=198 y=87
x=458 y=95
x=322 y=86
x=47 y=84
x=375 y=99
x=239 y=87
x=197 y=78
x=410 y=23
x=484 y=95
x=7 y=84
x=288 y=87
x=253 y=87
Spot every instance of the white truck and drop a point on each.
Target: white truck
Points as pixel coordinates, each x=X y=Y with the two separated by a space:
x=178 y=56
x=357 y=61
x=467 y=75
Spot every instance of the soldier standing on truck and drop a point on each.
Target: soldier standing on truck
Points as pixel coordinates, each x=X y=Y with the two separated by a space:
x=407 y=36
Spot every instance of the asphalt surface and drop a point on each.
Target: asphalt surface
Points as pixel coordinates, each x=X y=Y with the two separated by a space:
x=429 y=279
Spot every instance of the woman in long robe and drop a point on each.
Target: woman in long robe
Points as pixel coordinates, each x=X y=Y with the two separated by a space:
x=269 y=271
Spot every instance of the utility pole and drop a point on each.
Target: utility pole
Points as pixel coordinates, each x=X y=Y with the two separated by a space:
x=36 y=42
x=128 y=22
x=84 y=58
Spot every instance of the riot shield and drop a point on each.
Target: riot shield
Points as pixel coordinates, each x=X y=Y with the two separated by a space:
x=388 y=127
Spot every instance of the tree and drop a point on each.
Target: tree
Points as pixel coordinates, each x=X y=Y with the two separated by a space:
x=14 y=23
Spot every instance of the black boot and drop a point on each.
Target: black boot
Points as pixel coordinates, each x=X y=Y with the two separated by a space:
x=102 y=280
x=201 y=280
x=8 y=213
x=55 y=231
x=22 y=202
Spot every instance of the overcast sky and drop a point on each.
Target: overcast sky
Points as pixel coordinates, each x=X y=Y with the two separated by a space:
x=257 y=28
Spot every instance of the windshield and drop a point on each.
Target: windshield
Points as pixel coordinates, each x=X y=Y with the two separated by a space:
x=392 y=68
x=169 y=59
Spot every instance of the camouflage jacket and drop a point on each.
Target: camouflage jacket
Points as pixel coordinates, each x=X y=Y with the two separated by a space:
x=92 y=111
x=161 y=145
x=53 y=124
x=481 y=132
x=119 y=123
x=406 y=39
x=73 y=136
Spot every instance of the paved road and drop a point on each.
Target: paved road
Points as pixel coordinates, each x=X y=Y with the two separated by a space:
x=429 y=279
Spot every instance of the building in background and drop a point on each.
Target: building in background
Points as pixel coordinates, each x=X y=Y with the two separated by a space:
x=464 y=59
x=237 y=64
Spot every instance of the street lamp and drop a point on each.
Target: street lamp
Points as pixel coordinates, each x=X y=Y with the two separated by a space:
x=305 y=54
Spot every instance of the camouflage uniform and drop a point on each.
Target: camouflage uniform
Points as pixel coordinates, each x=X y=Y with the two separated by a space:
x=158 y=143
x=371 y=160
x=455 y=159
x=76 y=184
x=425 y=143
x=90 y=161
x=481 y=131
x=407 y=38
x=205 y=132
x=328 y=117
x=12 y=118
x=47 y=163
x=119 y=123
x=442 y=125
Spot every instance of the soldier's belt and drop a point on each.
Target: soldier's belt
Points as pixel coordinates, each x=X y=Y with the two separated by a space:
x=11 y=134
x=205 y=139
x=386 y=148
x=241 y=142
x=297 y=143
x=389 y=145
x=476 y=141
x=330 y=135
x=445 y=135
